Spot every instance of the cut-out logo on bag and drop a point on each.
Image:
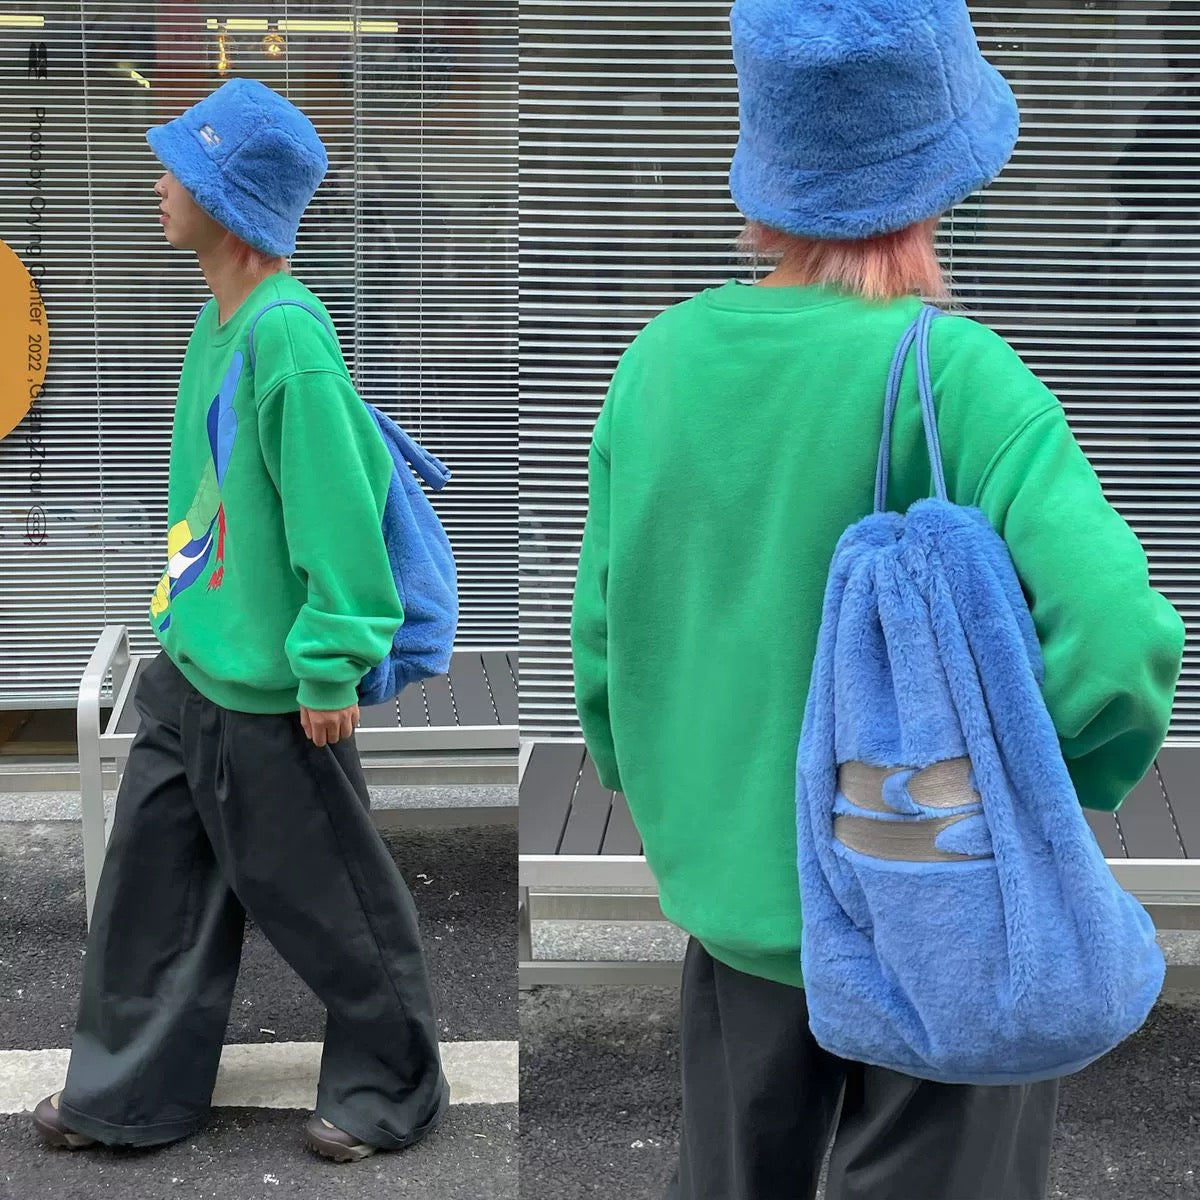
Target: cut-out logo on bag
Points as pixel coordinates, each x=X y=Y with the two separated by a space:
x=934 y=815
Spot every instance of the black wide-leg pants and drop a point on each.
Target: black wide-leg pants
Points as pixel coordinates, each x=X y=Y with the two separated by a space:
x=221 y=814
x=761 y=1101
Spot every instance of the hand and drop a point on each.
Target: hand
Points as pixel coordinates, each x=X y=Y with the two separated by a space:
x=328 y=728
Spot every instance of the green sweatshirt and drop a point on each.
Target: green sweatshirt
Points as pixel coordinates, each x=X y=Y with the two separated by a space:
x=278 y=592
x=737 y=442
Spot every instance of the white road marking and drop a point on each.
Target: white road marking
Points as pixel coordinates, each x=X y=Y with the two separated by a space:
x=274 y=1075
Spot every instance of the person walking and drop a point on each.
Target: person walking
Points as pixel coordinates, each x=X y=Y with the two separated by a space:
x=243 y=792
x=736 y=444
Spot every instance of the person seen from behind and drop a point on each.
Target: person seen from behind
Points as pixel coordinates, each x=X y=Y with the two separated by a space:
x=736 y=444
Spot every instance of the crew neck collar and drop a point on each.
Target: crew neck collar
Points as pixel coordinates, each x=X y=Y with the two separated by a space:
x=222 y=334
x=745 y=297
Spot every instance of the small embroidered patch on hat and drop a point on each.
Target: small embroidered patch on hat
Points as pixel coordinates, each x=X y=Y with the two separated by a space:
x=210 y=135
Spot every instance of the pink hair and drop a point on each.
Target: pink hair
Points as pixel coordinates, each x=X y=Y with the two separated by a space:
x=252 y=261
x=886 y=267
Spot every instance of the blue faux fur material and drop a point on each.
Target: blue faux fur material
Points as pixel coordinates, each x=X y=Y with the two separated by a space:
x=422 y=566
x=863 y=116
x=1021 y=960
x=419 y=553
x=249 y=158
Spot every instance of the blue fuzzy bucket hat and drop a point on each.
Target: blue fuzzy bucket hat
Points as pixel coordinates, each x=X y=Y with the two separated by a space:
x=251 y=159
x=861 y=117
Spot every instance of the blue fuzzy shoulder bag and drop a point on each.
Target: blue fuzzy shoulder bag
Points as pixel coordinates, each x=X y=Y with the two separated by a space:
x=960 y=921
x=419 y=552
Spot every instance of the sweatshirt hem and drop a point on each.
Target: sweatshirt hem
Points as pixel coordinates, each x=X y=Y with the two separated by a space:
x=779 y=968
x=237 y=697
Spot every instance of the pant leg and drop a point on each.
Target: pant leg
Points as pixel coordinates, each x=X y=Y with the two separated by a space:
x=759 y=1095
x=900 y=1137
x=162 y=953
x=294 y=838
x=345 y=1061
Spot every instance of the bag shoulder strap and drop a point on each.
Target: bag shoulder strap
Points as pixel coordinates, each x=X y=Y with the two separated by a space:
x=258 y=316
x=430 y=469
x=916 y=334
x=200 y=314
x=428 y=466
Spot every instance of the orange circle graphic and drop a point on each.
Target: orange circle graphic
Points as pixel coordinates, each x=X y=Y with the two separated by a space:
x=24 y=341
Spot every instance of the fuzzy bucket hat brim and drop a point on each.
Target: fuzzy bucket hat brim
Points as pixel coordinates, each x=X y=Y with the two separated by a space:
x=249 y=158
x=864 y=117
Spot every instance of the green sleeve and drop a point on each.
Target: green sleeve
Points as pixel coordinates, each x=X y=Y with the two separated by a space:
x=589 y=618
x=1113 y=646
x=332 y=471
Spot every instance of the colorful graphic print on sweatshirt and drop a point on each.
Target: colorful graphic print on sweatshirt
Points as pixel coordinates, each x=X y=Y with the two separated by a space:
x=190 y=542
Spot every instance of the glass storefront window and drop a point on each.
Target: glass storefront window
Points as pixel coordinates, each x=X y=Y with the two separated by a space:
x=411 y=242
x=1086 y=254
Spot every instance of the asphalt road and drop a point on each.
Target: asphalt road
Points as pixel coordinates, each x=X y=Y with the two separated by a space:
x=464 y=883
x=245 y=1154
x=463 y=880
x=600 y=1096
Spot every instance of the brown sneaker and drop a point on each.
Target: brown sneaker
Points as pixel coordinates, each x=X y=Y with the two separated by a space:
x=47 y=1120
x=331 y=1142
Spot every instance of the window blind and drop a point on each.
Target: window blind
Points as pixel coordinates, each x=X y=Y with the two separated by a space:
x=1085 y=254
x=411 y=242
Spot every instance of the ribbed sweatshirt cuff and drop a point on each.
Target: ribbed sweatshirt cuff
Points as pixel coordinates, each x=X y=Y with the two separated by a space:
x=323 y=696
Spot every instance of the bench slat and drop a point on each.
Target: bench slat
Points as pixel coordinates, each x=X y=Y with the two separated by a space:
x=547 y=788
x=480 y=697
x=588 y=818
x=622 y=836
x=472 y=697
x=1146 y=823
x=429 y=703
x=1178 y=769
x=413 y=713
x=500 y=675
x=1108 y=835
x=380 y=716
x=440 y=703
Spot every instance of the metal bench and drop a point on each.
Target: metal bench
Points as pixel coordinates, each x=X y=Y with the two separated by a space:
x=458 y=729
x=576 y=837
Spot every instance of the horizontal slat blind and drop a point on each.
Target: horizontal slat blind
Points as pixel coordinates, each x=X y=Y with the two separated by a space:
x=1086 y=254
x=411 y=241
